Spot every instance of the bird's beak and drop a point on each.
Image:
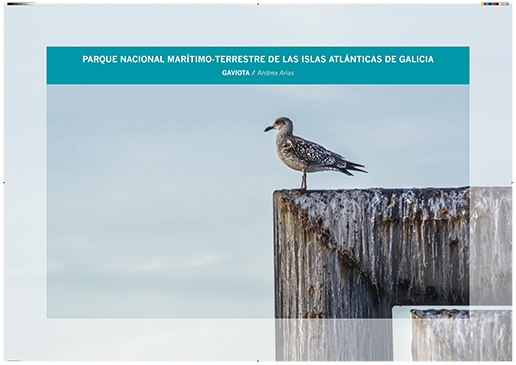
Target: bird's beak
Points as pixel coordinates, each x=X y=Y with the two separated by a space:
x=268 y=128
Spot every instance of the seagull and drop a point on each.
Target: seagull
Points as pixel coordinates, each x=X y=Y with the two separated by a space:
x=307 y=156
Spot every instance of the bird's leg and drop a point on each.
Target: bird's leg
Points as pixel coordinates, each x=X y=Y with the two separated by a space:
x=303 y=181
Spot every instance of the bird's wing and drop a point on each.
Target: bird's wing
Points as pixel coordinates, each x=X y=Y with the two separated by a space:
x=309 y=151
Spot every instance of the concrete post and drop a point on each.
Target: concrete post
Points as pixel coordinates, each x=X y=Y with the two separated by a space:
x=353 y=254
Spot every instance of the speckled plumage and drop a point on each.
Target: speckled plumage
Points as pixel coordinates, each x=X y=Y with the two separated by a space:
x=307 y=156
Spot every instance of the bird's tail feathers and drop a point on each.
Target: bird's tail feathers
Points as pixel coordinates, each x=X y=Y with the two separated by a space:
x=343 y=169
x=344 y=166
x=342 y=162
x=355 y=169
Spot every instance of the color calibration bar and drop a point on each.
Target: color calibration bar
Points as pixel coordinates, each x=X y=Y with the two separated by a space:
x=495 y=3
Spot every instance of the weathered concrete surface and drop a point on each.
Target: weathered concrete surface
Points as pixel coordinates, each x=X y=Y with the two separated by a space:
x=450 y=335
x=491 y=246
x=356 y=253
x=331 y=339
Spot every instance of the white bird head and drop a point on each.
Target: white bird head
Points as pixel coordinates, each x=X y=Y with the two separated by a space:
x=282 y=124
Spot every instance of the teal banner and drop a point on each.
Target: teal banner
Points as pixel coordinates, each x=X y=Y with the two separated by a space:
x=257 y=65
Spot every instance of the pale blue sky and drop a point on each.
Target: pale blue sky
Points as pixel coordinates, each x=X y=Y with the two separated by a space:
x=160 y=197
